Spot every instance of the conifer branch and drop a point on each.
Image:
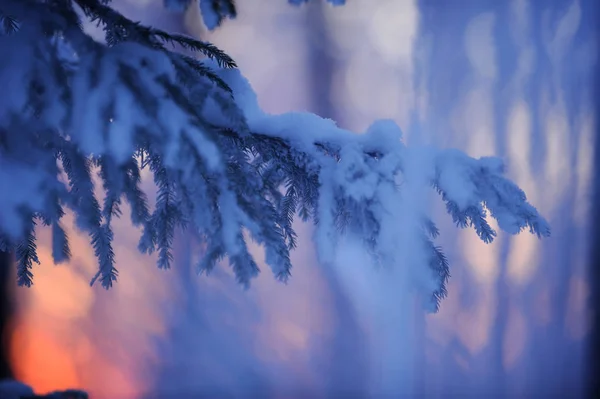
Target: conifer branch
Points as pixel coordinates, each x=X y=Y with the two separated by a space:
x=222 y=166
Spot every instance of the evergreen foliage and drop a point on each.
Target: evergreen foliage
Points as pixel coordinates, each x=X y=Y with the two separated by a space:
x=73 y=107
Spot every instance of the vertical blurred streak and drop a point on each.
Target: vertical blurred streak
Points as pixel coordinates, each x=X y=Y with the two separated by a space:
x=561 y=32
x=498 y=377
x=346 y=358
x=169 y=347
x=593 y=357
x=485 y=52
x=6 y=314
x=183 y=311
x=320 y=63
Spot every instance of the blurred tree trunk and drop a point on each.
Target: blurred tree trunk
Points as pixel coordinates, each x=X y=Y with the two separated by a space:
x=347 y=361
x=593 y=360
x=6 y=315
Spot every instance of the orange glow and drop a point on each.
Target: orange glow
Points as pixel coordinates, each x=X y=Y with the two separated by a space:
x=64 y=340
x=56 y=344
x=42 y=362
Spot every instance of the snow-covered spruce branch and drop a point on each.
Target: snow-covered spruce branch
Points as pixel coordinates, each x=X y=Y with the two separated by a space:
x=75 y=107
x=351 y=182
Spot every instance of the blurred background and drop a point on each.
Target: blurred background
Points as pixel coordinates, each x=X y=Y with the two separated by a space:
x=511 y=78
